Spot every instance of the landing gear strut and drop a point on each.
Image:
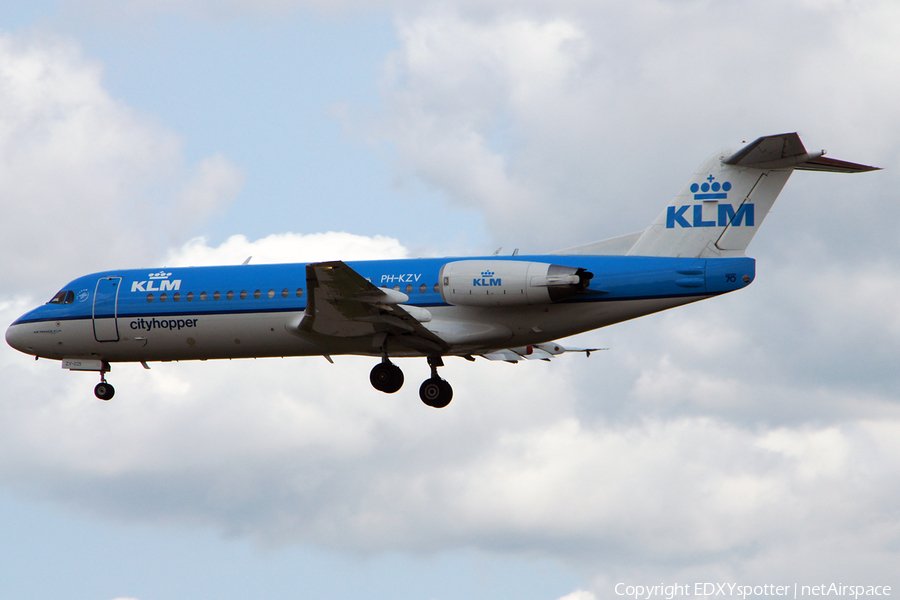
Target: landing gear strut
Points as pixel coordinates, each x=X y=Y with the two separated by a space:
x=435 y=392
x=104 y=390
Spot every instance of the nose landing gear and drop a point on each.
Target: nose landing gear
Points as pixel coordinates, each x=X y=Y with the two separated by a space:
x=104 y=390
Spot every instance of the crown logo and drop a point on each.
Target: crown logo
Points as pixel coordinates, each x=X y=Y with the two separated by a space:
x=487 y=273
x=160 y=275
x=711 y=189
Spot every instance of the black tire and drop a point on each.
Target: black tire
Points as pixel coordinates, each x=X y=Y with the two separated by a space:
x=436 y=393
x=386 y=377
x=104 y=391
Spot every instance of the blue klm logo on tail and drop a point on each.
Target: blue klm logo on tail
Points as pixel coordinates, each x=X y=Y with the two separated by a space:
x=710 y=190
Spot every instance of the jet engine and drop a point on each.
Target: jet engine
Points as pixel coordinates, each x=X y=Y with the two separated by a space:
x=509 y=282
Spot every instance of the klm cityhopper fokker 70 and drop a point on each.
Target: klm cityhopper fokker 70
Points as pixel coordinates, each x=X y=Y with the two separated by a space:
x=497 y=307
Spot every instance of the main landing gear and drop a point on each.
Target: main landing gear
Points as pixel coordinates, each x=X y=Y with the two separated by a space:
x=386 y=377
x=435 y=392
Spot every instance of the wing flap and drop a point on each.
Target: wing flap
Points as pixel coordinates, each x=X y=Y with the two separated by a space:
x=536 y=352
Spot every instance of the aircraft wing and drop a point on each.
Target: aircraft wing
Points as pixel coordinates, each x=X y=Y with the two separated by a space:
x=342 y=303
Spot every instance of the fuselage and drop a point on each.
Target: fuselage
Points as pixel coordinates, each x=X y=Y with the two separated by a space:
x=199 y=313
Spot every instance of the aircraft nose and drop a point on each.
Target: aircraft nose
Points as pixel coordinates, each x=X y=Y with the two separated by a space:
x=19 y=337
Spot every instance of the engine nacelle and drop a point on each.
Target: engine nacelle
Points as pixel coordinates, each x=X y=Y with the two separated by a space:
x=509 y=282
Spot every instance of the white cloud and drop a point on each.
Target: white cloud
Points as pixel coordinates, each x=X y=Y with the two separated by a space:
x=87 y=182
x=286 y=247
x=297 y=450
x=215 y=179
x=574 y=122
x=579 y=595
x=464 y=97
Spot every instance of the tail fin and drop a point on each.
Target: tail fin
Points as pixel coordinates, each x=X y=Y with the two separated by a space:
x=720 y=209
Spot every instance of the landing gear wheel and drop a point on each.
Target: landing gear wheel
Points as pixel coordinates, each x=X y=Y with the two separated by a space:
x=436 y=392
x=104 y=391
x=386 y=377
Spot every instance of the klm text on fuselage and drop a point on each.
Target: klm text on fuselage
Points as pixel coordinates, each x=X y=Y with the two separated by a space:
x=162 y=285
x=726 y=216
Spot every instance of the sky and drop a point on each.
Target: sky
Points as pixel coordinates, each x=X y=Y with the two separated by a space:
x=751 y=439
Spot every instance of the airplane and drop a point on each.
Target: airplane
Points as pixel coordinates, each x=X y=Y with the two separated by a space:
x=497 y=307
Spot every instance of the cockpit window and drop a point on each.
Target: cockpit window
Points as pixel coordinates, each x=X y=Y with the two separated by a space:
x=64 y=297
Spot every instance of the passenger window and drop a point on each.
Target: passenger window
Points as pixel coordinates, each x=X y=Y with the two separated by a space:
x=216 y=295
x=190 y=296
x=299 y=292
x=230 y=295
x=285 y=293
x=243 y=294
x=176 y=296
x=257 y=294
x=271 y=293
x=409 y=288
x=149 y=297
x=423 y=288
x=163 y=297
x=203 y=296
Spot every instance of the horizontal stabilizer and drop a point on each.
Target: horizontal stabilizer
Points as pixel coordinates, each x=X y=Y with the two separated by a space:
x=832 y=165
x=787 y=151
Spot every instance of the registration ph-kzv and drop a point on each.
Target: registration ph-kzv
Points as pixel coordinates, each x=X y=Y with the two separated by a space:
x=705 y=590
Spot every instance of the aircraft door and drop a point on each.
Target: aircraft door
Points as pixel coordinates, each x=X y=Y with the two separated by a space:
x=106 y=301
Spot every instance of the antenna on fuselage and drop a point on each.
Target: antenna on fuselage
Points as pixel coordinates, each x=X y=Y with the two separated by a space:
x=247 y=262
